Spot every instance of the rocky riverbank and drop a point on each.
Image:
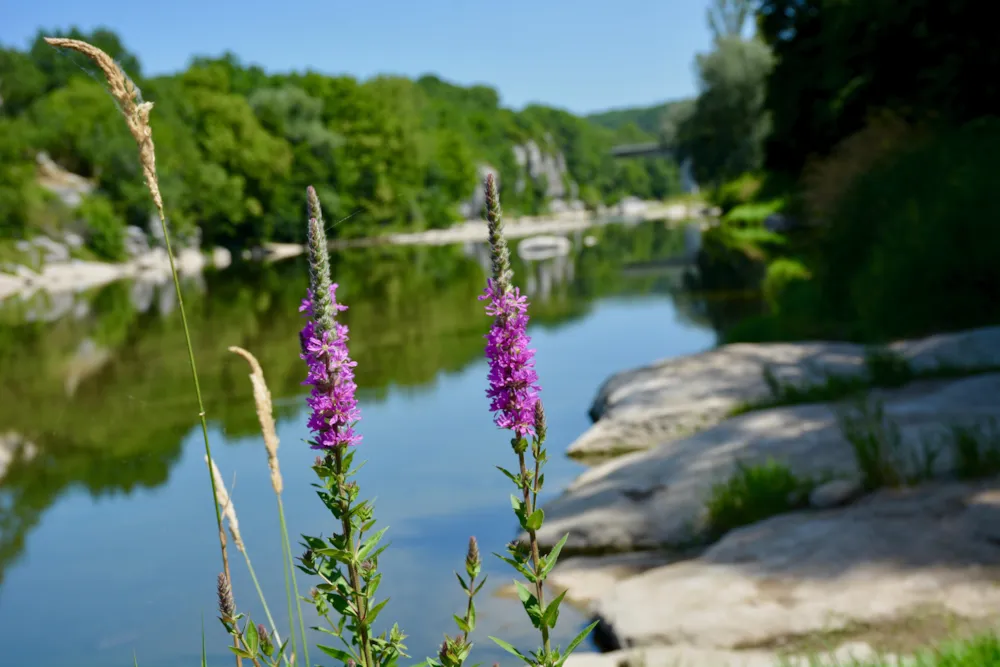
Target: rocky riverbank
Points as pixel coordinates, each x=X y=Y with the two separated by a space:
x=889 y=536
x=74 y=275
x=475 y=230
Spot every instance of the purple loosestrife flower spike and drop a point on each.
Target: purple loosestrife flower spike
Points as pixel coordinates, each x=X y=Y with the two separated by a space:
x=324 y=349
x=513 y=386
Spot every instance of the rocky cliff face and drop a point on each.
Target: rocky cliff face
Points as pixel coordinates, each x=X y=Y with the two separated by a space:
x=540 y=167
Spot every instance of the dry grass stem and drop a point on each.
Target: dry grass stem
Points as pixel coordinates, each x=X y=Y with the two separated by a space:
x=226 y=503
x=262 y=399
x=136 y=111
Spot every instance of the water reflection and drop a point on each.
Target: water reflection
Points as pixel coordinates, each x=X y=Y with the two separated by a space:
x=95 y=404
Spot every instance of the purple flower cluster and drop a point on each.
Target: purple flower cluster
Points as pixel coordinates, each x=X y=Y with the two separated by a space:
x=331 y=374
x=513 y=390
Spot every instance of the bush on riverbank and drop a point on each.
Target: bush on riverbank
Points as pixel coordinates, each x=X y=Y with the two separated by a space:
x=909 y=248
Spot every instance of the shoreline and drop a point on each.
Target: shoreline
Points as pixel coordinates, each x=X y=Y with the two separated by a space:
x=794 y=572
x=81 y=275
x=476 y=231
x=153 y=266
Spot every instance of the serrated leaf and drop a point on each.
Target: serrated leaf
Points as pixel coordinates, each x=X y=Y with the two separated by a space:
x=576 y=642
x=553 y=556
x=534 y=521
x=370 y=544
x=336 y=653
x=510 y=649
x=551 y=614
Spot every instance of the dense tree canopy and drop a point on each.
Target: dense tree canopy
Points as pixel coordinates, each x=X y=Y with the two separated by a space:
x=236 y=147
x=839 y=60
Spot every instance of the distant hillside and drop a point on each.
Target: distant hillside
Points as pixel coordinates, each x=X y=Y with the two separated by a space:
x=649 y=119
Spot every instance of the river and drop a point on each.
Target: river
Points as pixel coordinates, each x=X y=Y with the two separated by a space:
x=107 y=537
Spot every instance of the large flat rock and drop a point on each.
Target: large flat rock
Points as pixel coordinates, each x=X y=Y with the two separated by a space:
x=673 y=398
x=657 y=497
x=692 y=656
x=932 y=550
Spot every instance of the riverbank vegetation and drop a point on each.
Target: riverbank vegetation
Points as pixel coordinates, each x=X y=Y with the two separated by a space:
x=870 y=169
x=240 y=144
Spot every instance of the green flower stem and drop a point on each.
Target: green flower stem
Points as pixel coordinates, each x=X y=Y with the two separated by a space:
x=536 y=559
x=352 y=566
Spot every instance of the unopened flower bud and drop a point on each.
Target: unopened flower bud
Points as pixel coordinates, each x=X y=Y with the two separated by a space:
x=265 y=639
x=540 y=425
x=227 y=606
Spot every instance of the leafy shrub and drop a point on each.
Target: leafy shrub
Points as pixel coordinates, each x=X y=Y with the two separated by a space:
x=912 y=248
x=740 y=190
x=753 y=214
x=781 y=273
x=826 y=180
x=105 y=228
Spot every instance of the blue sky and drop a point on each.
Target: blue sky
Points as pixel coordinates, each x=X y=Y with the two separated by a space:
x=582 y=55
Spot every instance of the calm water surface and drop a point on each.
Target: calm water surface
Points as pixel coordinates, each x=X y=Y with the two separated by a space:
x=107 y=537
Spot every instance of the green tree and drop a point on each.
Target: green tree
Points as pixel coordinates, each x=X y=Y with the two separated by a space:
x=839 y=60
x=725 y=134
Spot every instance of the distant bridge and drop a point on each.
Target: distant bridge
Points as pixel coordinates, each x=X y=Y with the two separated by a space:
x=649 y=149
x=656 y=149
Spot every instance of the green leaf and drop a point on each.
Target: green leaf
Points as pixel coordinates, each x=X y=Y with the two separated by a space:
x=577 y=641
x=515 y=502
x=534 y=522
x=530 y=603
x=480 y=586
x=375 y=611
x=251 y=638
x=510 y=649
x=462 y=625
x=511 y=476
x=517 y=566
x=472 y=617
x=553 y=556
x=370 y=544
x=204 y=654
x=461 y=582
x=551 y=614
x=336 y=653
x=339 y=555
x=240 y=652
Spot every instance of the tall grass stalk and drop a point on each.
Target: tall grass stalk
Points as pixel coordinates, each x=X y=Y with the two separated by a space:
x=229 y=511
x=265 y=415
x=136 y=113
